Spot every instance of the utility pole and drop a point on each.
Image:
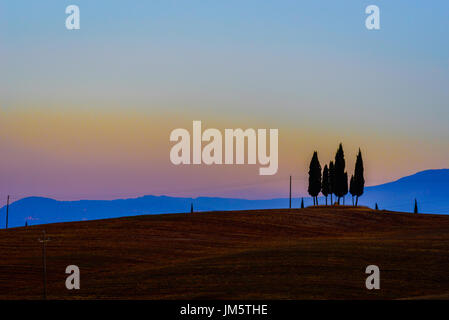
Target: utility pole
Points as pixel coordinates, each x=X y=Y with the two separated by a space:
x=7 y=211
x=44 y=240
x=290 y=199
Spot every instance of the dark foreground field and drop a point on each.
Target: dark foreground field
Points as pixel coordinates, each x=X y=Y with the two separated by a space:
x=312 y=253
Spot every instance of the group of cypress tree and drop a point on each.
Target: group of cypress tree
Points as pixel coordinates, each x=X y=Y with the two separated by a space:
x=334 y=180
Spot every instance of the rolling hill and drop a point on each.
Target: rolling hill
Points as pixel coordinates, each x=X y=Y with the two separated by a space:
x=312 y=253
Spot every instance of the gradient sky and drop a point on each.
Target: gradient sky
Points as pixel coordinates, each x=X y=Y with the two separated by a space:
x=88 y=113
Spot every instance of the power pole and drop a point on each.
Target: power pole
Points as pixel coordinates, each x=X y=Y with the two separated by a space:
x=7 y=211
x=290 y=199
x=44 y=240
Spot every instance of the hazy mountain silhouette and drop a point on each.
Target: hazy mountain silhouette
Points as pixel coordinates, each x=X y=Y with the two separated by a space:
x=39 y=210
x=429 y=187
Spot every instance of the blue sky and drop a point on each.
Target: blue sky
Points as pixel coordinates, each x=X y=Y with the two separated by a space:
x=413 y=34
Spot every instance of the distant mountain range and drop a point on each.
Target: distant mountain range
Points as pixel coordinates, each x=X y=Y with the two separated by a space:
x=430 y=188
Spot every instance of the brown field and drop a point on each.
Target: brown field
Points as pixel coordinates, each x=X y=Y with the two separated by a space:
x=312 y=253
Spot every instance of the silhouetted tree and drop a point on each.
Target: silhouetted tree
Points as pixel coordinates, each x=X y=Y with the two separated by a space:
x=377 y=207
x=302 y=203
x=345 y=186
x=325 y=182
x=359 y=180
x=191 y=208
x=416 y=207
x=341 y=177
x=331 y=180
x=26 y=223
x=314 y=178
x=352 y=189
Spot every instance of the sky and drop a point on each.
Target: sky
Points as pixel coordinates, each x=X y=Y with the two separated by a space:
x=87 y=114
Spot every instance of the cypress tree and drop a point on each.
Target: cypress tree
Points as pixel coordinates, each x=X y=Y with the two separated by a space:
x=325 y=182
x=359 y=180
x=191 y=208
x=377 y=207
x=314 y=178
x=341 y=177
x=331 y=180
x=416 y=206
x=352 y=189
x=302 y=203
x=345 y=186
